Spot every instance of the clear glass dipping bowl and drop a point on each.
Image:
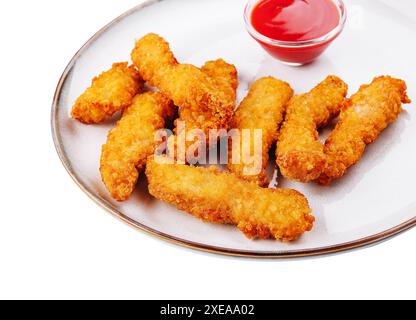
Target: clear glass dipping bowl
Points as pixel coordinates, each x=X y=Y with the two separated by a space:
x=295 y=53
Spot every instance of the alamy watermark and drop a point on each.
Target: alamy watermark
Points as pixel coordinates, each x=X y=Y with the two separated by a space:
x=217 y=147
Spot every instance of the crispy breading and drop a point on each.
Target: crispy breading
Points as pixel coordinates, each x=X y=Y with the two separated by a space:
x=109 y=93
x=262 y=109
x=225 y=78
x=185 y=84
x=221 y=197
x=132 y=141
x=300 y=154
x=366 y=115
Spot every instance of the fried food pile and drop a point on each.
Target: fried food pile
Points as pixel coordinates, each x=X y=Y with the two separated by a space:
x=204 y=99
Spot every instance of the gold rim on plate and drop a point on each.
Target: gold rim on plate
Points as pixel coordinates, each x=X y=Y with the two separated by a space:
x=363 y=242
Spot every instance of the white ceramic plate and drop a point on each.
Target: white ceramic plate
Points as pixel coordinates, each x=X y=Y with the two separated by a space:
x=375 y=201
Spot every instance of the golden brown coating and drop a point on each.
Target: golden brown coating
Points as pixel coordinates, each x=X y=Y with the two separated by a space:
x=132 y=141
x=225 y=78
x=109 y=93
x=262 y=109
x=300 y=154
x=185 y=84
x=222 y=197
x=224 y=75
x=366 y=115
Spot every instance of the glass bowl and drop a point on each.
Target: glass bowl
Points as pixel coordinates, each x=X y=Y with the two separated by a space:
x=295 y=53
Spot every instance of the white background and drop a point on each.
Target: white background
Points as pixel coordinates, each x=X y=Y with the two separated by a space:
x=56 y=243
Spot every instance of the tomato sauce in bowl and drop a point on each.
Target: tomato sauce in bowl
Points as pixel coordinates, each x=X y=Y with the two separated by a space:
x=295 y=31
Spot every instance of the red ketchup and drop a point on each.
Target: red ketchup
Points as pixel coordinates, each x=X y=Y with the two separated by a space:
x=296 y=31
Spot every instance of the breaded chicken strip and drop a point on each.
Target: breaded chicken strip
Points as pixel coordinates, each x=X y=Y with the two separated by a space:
x=185 y=84
x=109 y=93
x=262 y=109
x=366 y=115
x=132 y=141
x=225 y=78
x=221 y=197
x=300 y=154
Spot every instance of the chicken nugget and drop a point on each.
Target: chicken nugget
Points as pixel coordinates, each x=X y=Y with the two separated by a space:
x=365 y=116
x=225 y=78
x=109 y=93
x=185 y=84
x=221 y=197
x=300 y=154
x=263 y=109
x=132 y=141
